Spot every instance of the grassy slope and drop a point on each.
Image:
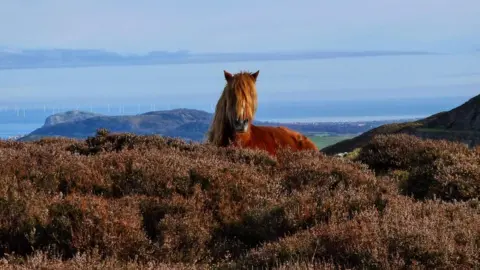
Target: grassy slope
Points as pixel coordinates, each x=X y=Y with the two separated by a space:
x=359 y=141
x=326 y=140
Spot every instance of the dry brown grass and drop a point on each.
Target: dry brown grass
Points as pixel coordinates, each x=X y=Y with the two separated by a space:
x=147 y=202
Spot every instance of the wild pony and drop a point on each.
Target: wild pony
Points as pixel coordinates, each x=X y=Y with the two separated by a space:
x=234 y=114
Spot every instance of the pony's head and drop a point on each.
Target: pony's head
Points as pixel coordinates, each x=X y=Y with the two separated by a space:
x=240 y=95
x=235 y=109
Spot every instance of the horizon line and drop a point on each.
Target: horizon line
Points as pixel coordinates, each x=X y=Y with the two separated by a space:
x=192 y=52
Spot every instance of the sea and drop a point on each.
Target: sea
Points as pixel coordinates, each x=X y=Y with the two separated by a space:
x=320 y=90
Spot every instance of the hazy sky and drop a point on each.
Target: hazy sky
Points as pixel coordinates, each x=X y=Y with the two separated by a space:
x=246 y=25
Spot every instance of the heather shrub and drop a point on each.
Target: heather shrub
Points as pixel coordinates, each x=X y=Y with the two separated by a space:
x=120 y=200
x=431 y=168
x=21 y=215
x=93 y=261
x=88 y=261
x=82 y=224
x=10 y=144
x=16 y=227
x=458 y=180
x=401 y=151
x=103 y=141
x=330 y=187
x=405 y=235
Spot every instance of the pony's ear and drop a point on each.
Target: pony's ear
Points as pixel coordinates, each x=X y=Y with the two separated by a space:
x=228 y=76
x=255 y=75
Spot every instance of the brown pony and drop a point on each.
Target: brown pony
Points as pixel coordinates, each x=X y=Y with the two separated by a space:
x=234 y=114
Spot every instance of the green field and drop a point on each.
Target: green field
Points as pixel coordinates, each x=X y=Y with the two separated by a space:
x=324 y=140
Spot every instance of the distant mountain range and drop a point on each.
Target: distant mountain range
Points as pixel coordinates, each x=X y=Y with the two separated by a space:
x=461 y=124
x=187 y=124
x=57 y=58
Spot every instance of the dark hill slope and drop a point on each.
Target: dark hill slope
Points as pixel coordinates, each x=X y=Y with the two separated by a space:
x=461 y=124
x=465 y=117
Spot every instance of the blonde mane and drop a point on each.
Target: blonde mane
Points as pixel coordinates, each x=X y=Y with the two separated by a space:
x=239 y=96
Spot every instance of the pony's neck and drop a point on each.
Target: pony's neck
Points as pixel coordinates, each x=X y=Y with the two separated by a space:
x=231 y=137
x=243 y=138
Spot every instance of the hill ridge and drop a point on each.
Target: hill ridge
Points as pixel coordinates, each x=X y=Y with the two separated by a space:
x=460 y=124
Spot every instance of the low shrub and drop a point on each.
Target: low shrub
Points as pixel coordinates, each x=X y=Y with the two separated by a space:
x=148 y=201
x=435 y=168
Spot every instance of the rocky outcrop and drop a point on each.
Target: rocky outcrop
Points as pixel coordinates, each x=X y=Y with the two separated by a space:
x=66 y=117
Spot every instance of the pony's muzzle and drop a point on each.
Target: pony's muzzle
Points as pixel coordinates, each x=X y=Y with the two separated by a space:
x=241 y=125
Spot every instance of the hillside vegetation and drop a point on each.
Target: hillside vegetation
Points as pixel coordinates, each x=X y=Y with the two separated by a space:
x=460 y=124
x=138 y=202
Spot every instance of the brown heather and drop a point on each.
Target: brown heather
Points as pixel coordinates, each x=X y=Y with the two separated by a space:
x=427 y=169
x=146 y=202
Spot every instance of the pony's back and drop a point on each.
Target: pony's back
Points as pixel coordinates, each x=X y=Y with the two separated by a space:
x=272 y=139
